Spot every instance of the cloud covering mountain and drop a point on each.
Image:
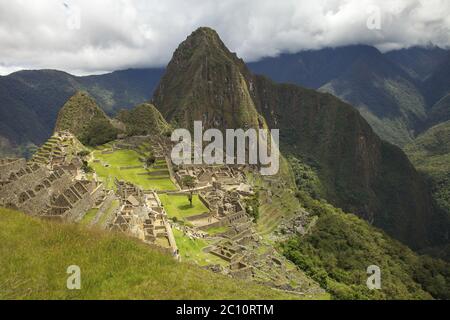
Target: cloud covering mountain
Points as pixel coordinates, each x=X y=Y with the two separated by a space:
x=94 y=36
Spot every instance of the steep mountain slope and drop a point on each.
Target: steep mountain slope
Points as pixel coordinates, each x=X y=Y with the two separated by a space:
x=362 y=174
x=340 y=247
x=36 y=254
x=30 y=100
x=440 y=112
x=393 y=91
x=385 y=96
x=205 y=81
x=313 y=68
x=81 y=116
x=144 y=119
x=418 y=62
x=437 y=85
x=430 y=153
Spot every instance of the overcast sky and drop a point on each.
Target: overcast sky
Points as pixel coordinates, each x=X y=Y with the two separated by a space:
x=95 y=36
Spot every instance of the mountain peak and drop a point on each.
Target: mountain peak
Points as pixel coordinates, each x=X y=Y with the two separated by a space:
x=81 y=116
x=204 y=81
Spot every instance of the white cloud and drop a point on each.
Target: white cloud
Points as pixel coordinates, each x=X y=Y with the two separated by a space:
x=108 y=35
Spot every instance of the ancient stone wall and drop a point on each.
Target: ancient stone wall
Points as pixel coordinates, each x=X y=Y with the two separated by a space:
x=9 y=165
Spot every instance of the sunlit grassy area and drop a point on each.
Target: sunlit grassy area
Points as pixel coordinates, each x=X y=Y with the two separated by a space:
x=89 y=216
x=192 y=250
x=178 y=206
x=35 y=255
x=108 y=168
x=216 y=230
x=104 y=218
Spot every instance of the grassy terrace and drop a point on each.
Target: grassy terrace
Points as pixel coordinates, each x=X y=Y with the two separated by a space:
x=191 y=250
x=178 y=206
x=35 y=255
x=88 y=217
x=109 y=168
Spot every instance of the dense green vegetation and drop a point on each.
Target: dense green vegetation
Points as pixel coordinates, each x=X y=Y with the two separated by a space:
x=83 y=117
x=99 y=132
x=306 y=177
x=35 y=255
x=142 y=120
x=430 y=153
x=341 y=246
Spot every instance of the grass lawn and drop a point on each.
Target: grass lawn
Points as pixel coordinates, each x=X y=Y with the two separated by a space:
x=114 y=205
x=89 y=216
x=126 y=158
x=216 y=230
x=35 y=255
x=178 y=206
x=191 y=250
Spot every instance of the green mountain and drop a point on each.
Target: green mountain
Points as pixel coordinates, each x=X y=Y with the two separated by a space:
x=386 y=97
x=361 y=173
x=205 y=81
x=430 y=153
x=440 y=112
x=81 y=116
x=144 y=119
x=419 y=62
x=437 y=85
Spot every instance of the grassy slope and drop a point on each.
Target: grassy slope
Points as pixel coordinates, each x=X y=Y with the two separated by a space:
x=192 y=250
x=35 y=256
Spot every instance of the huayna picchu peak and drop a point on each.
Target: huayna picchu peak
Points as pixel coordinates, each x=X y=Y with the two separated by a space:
x=205 y=81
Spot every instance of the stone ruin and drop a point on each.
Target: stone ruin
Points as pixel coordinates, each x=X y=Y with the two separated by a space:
x=49 y=193
x=143 y=216
x=225 y=208
x=60 y=150
x=206 y=175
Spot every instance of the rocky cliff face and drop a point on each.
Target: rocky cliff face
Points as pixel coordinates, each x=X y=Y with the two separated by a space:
x=362 y=173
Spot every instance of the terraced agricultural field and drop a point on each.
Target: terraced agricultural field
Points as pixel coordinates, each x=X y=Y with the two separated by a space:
x=114 y=165
x=178 y=206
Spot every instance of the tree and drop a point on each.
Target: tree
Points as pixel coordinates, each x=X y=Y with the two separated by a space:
x=83 y=153
x=189 y=182
x=86 y=167
x=150 y=160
